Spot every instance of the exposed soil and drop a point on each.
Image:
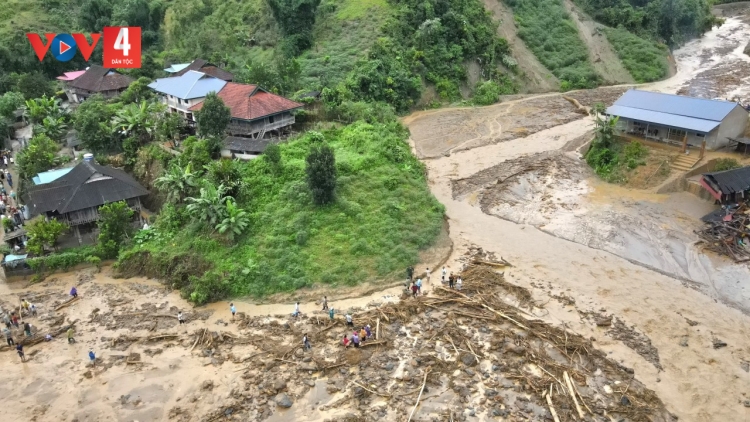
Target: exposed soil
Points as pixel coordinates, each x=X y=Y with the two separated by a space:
x=439 y=132
x=462 y=354
x=601 y=53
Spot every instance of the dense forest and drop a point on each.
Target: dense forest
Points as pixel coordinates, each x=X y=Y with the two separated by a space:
x=342 y=201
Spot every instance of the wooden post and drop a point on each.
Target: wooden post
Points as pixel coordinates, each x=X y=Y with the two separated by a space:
x=78 y=234
x=703 y=149
x=684 y=143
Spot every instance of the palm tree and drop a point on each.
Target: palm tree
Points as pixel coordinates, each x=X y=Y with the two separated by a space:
x=235 y=222
x=210 y=206
x=137 y=120
x=39 y=108
x=178 y=183
x=54 y=127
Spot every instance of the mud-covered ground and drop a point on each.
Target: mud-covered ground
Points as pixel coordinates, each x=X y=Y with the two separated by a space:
x=477 y=353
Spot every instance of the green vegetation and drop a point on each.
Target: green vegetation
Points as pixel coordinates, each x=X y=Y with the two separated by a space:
x=723 y=164
x=43 y=234
x=114 y=227
x=382 y=216
x=39 y=156
x=213 y=118
x=645 y=60
x=62 y=261
x=610 y=158
x=549 y=32
x=672 y=22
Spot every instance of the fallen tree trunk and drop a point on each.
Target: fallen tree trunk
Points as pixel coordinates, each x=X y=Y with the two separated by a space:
x=66 y=303
x=39 y=337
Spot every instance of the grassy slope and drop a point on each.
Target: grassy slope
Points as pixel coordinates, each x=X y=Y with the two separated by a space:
x=546 y=28
x=343 y=32
x=644 y=59
x=383 y=216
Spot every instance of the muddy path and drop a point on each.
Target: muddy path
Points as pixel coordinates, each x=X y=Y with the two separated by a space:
x=698 y=381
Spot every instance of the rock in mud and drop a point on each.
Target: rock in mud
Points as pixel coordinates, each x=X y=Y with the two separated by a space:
x=718 y=344
x=279 y=385
x=745 y=366
x=282 y=400
x=684 y=342
x=207 y=385
x=469 y=360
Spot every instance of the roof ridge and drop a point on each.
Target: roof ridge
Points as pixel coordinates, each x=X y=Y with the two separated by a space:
x=682 y=96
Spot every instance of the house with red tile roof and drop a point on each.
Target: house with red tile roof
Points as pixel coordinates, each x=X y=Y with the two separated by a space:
x=256 y=113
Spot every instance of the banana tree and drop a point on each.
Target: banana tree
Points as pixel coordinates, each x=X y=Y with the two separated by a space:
x=178 y=183
x=235 y=222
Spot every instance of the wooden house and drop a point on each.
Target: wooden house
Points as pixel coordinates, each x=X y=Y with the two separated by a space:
x=97 y=80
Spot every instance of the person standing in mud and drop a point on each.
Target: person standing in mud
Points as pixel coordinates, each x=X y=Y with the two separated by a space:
x=296 y=310
x=345 y=341
x=410 y=273
x=74 y=292
x=450 y=281
x=349 y=321
x=232 y=309
x=306 y=342
x=444 y=272
x=325 y=303
x=92 y=357
x=330 y=313
x=428 y=275
x=19 y=349
x=355 y=339
x=8 y=337
x=414 y=289
x=419 y=286
x=180 y=318
x=71 y=333
x=27 y=329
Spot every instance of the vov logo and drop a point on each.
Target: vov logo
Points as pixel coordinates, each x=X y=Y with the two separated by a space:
x=122 y=46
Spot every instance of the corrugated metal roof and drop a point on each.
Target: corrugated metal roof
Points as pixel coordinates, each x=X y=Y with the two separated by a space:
x=246 y=144
x=50 y=176
x=190 y=85
x=672 y=120
x=679 y=105
x=730 y=181
x=176 y=67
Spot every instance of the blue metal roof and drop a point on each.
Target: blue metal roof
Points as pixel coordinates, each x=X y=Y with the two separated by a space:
x=665 y=119
x=190 y=85
x=50 y=176
x=176 y=67
x=678 y=105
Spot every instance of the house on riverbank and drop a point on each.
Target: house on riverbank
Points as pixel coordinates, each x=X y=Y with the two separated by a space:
x=679 y=120
x=75 y=198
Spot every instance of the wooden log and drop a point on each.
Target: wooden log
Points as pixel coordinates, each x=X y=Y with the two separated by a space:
x=373 y=392
x=377 y=329
x=198 y=338
x=372 y=343
x=62 y=305
x=420 y=396
x=572 y=393
x=552 y=408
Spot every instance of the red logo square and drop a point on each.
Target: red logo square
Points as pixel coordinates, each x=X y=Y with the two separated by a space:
x=122 y=47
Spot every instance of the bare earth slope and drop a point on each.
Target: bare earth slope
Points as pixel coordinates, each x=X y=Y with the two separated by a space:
x=536 y=77
x=602 y=55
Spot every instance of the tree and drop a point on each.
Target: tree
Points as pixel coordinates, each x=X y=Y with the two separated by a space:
x=137 y=121
x=235 y=221
x=92 y=122
x=39 y=156
x=43 y=233
x=55 y=128
x=227 y=173
x=169 y=127
x=213 y=118
x=34 y=85
x=296 y=19
x=321 y=174
x=210 y=206
x=272 y=154
x=95 y=15
x=39 y=108
x=177 y=183
x=114 y=227
x=137 y=92
x=9 y=103
x=195 y=152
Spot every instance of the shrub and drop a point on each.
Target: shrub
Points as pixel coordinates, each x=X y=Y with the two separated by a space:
x=644 y=59
x=723 y=164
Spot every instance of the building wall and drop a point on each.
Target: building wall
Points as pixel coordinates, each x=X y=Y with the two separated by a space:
x=239 y=127
x=694 y=139
x=225 y=153
x=733 y=126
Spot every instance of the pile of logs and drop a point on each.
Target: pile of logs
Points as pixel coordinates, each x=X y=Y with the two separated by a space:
x=730 y=238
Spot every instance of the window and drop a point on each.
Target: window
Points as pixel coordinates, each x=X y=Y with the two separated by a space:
x=270 y=119
x=190 y=116
x=700 y=135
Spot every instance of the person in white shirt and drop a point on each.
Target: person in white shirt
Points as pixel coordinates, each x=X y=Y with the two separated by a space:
x=296 y=310
x=444 y=273
x=349 y=321
x=180 y=318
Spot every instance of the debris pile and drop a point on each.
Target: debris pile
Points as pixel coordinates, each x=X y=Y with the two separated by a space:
x=730 y=235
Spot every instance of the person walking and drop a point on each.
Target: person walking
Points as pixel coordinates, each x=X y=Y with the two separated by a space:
x=414 y=289
x=180 y=318
x=362 y=334
x=443 y=272
x=410 y=272
x=33 y=309
x=345 y=341
x=71 y=333
x=330 y=314
x=232 y=309
x=428 y=275
x=19 y=349
x=419 y=286
x=14 y=319
x=349 y=321
x=92 y=357
x=306 y=342
x=459 y=283
x=27 y=329
x=296 y=310
x=368 y=331
x=450 y=281
x=6 y=320
x=325 y=303
x=8 y=337
x=74 y=292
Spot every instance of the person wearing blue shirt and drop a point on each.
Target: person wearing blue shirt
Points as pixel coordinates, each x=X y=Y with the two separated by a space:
x=419 y=286
x=92 y=356
x=233 y=309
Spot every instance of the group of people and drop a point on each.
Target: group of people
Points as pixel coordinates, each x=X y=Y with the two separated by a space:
x=454 y=282
x=12 y=320
x=357 y=338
